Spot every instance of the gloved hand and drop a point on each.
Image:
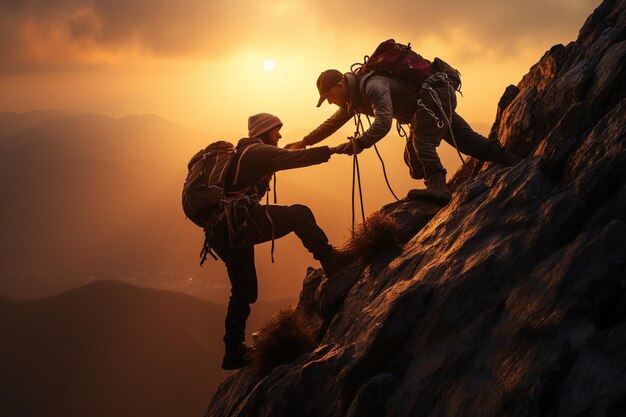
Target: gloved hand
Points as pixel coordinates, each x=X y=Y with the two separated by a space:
x=296 y=145
x=349 y=147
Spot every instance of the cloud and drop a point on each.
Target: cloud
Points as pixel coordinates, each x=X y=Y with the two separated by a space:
x=39 y=34
x=44 y=35
x=496 y=26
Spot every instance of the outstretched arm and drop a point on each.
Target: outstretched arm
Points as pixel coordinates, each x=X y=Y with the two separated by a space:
x=378 y=93
x=330 y=126
x=266 y=159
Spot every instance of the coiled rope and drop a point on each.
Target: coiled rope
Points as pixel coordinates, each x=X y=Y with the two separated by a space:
x=441 y=76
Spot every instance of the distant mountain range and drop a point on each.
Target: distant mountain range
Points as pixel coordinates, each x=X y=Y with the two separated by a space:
x=112 y=349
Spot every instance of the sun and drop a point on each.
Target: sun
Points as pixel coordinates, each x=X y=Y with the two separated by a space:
x=269 y=65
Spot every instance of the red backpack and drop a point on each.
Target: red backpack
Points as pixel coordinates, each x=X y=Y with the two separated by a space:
x=397 y=60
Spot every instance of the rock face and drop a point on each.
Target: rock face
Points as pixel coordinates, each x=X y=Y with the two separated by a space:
x=511 y=300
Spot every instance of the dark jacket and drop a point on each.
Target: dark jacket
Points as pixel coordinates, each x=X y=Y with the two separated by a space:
x=380 y=96
x=261 y=161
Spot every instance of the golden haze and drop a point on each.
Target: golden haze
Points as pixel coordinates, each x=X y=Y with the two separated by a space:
x=201 y=65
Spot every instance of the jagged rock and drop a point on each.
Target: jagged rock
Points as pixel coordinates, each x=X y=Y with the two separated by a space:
x=507 y=98
x=321 y=297
x=332 y=291
x=511 y=299
x=472 y=165
x=309 y=304
x=410 y=215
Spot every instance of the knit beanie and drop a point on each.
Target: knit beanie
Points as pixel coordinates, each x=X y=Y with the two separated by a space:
x=261 y=123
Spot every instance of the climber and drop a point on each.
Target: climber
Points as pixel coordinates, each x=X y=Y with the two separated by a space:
x=256 y=159
x=428 y=107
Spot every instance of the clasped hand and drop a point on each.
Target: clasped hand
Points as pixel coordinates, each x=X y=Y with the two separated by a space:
x=296 y=145
x=348 y=148
x=345 y=148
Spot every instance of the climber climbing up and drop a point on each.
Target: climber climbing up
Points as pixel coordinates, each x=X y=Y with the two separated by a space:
x=395 y=82
x=236 y=221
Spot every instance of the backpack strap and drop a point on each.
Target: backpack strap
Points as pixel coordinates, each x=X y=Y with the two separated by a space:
x=269 y=218
x=206 y=249
x=356 y=89
x=361 y=80
x=236 y=178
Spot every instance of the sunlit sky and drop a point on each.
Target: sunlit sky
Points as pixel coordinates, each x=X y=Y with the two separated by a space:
x=209 y=65
x=206 y=65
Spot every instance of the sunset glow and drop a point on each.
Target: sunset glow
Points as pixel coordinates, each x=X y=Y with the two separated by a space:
x=192 y=64
x=312 y=207
x=269 y=65
x=208 y=66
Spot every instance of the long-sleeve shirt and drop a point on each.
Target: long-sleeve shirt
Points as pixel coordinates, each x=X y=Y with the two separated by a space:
x=257 y=162
x=383 y=97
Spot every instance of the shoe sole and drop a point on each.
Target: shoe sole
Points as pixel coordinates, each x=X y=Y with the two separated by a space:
x=415 y=195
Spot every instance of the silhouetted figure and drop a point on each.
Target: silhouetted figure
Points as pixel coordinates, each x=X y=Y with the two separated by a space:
x=429 y=108
x=257 y=158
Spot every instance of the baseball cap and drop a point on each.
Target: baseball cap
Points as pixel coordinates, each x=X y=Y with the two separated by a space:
x=327 y=80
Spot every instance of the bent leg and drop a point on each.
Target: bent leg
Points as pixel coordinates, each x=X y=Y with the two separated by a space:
x=416 y=168
x=426 y=139
x=429 y=129
x=300 y=220
x=472 y=143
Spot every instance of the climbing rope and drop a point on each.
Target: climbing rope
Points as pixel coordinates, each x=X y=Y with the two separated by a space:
x=400 y=129
x=356 y=172
x=440 y=76
x=383 y=162
x=359 y=132
x=269 y=218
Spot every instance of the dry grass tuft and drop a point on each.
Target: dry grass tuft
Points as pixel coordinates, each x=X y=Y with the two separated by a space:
x=284 y=337
x=378 y=233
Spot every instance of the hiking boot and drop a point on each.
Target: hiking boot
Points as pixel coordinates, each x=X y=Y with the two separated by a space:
x=435 y=191
x=335 y=260
x=236 y=356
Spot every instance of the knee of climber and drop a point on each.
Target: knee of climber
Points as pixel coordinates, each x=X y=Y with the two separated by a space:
x=301 y=211
x=427 y=147
x=417 y=174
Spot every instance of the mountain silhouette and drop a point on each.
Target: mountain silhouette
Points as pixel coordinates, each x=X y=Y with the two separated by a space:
x=86 y=198
x=112 y=349
x=508 y=301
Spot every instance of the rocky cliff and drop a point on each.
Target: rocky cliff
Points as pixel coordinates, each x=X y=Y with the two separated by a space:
x=510 y=300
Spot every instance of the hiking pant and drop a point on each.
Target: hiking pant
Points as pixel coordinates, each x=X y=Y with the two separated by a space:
x=241 y=269
x=420 y=153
